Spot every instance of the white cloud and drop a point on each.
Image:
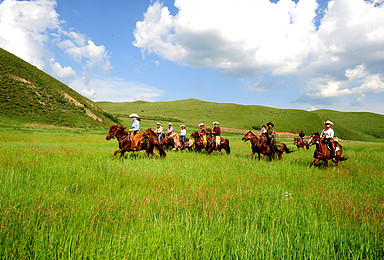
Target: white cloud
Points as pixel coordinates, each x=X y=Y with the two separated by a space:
x=249 y=38
x=27 y=28
x=89 y=93
x=116 y=90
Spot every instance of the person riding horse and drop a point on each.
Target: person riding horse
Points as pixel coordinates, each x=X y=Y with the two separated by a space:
x=183 y=132
x=203 y=133
x=217 y=132
x=301 y=135
x=271 y=137
x=136 y=135
x=328 y=135
x=159 y=132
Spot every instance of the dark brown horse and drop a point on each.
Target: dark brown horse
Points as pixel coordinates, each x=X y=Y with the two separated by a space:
x=124 y=139
x=300 y=144
x=153 y=142
x=256 y=146
x=198 y=141
x=261 y=146
x=212 y=146
x=322 y=151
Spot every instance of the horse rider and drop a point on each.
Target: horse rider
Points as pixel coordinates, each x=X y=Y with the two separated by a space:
x=202 y=133
x=217 y=132
x=136 y=135
x=301 y=135
x=328 y=135
x=271 y=137
x=170 y=129
x=159 y=132
x=263 y=129
x=183 y=132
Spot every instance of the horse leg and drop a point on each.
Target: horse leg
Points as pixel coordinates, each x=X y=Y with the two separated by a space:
x=314 y=161
x=326 y=163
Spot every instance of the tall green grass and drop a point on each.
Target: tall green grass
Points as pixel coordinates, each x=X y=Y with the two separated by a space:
x=62 y=196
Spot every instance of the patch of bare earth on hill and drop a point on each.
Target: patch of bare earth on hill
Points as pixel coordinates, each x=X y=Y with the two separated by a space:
x=241 y=131
x=78 y=104
x=41 y=126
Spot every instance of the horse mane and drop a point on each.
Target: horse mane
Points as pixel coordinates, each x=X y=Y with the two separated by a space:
x=151 y=130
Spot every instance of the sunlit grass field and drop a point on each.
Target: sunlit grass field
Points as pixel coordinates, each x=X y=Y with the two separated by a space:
x=62 y=196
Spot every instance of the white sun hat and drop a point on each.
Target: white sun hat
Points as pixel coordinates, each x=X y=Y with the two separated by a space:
x=134 y=115
x=170 y=124
x=201 y=124
x=182 y=125
x=158 y=124
x=216 y=123
x=328 y=122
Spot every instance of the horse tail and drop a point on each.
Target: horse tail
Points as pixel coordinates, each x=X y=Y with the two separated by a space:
x=286 y=149
x=229 y=148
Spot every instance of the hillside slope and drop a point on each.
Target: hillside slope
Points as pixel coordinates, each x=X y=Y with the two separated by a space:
x=30 y=96
x=353 y=126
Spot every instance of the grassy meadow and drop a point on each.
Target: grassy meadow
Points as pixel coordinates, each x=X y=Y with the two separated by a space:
x=62 y=196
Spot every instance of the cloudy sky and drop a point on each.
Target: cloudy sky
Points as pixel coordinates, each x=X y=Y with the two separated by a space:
x=303 y=54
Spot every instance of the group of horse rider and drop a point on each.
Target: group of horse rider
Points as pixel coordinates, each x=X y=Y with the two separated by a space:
x=136 y=134
x=327 y=133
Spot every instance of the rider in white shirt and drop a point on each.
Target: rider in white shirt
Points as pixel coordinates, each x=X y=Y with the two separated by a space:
x=328 y=135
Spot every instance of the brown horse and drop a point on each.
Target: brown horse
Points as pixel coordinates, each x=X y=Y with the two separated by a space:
x=322 y=151
x=261 y=146
x=152 y=142
x=124 y=139
x=256 y=146
x=212 y=146
x=198 y=141
x=300 y=144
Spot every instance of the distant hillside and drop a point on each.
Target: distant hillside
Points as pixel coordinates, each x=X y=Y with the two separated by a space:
x=30 y=96
x=348 y=125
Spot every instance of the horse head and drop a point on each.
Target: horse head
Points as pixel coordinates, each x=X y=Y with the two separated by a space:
x=315 y=139
x=248 y=136
x=112 y=132
x=195 y=134
x=148 y=132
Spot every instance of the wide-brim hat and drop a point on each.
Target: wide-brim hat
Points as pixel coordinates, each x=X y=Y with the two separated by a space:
x=270 y=123
x=170 y=124
x=328 y=122
x=201 y=124
x=182 y=126
x=216 y=123
x=134 y=115
x=158 y=124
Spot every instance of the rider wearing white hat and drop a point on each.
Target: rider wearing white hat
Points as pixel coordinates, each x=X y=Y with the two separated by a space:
x=136 y=132
x=159 y=132
x=217 y=132
x=170 y=129
x=183 y=133
x=328 y=135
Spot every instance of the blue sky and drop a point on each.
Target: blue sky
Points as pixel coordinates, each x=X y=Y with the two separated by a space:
x=287 y=54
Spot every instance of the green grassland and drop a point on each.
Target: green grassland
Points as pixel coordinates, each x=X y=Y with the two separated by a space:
x=30 y=96
x=348 y=125
x=62 y=196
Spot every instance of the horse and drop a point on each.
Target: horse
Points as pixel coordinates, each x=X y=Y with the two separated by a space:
x=211 y=143
x=153 y=142
x=322 y=151
x=124 y=139
x=178 y=143
x=256 y=146
x=281 y=147
x=300 y=144
x=262 y=148
x=199 y=145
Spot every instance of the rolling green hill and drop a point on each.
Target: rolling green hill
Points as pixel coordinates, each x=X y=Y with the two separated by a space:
x=30 y=96
x=348 y=125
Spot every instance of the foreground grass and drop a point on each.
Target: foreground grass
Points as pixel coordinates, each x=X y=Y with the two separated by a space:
x=63 y=197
